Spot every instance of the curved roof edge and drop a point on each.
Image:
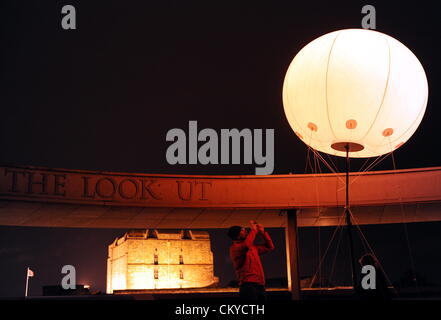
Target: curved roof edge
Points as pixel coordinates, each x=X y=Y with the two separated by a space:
x=37 y=196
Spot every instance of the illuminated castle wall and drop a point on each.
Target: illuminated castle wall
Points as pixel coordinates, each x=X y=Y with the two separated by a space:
x=158 y=259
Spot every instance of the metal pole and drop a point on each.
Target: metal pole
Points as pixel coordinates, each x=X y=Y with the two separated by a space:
x=348 y=221
x=27 y=281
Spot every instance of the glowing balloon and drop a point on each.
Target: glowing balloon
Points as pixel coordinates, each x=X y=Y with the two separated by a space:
x=355 y=86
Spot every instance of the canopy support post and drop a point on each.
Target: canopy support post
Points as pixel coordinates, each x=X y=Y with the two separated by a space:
x=292 y=256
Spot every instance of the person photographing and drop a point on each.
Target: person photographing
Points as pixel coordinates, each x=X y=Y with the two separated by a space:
x=245 y=256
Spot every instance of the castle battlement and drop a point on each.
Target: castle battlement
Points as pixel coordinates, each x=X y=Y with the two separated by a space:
x=160 y=259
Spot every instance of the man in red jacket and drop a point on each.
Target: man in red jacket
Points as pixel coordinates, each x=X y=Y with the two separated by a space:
x=246 y=260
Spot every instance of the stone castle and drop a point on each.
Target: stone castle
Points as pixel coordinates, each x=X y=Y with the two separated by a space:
x=160 y=259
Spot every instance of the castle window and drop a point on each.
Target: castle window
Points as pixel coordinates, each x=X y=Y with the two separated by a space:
x=181 y=274
x=155 y=258
x=181 y=259
x=156 y=274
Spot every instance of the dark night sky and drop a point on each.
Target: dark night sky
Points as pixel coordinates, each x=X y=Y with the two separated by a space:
x=102 y=97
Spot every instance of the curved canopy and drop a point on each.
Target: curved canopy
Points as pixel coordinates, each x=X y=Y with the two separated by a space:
x=31 y=196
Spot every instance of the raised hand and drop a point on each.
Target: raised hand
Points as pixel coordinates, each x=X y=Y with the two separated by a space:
x=260 y=228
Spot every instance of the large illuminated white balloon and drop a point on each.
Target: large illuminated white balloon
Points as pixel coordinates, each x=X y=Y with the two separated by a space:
x=355 y=86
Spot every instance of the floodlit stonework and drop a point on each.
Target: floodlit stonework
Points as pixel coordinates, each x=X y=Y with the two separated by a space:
x=160 y=259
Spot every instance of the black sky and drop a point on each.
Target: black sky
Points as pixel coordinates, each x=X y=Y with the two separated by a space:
x=102 y=97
